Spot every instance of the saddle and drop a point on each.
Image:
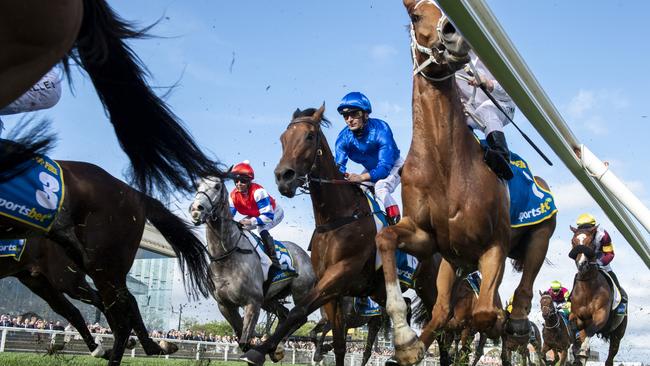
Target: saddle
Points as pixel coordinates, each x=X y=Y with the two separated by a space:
x=618 y=310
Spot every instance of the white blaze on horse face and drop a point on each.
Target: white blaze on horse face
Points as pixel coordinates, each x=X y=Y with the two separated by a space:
x=581 y=238
x=581 y=259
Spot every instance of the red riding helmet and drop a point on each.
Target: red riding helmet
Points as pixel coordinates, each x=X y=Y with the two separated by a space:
x=244 y=168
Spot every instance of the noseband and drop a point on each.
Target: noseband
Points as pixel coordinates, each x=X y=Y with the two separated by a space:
x=435 y=54
x=553 y=312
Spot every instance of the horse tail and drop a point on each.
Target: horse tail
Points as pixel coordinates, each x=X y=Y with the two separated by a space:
x=163 y=154
x=22 y=145
x=189 y=249
x=421 y=315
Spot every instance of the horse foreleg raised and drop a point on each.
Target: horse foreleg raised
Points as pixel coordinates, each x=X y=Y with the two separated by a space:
x=408 y=348
x=491 y=265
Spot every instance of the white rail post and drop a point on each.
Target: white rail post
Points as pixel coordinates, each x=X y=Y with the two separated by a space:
x=198 y=351
x=225 y=353
x=293 y=356
x=133 y=352
x=3 y=340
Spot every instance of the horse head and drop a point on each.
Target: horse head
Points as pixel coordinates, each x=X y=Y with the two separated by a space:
x=209 y=201
x=547 y=305
x=438 y=49
x=582 y=247
x=301 y=148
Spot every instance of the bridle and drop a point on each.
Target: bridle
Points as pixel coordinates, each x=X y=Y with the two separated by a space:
x=309 y=176
x=435 y=54
x=551 y=313
x=212 y=215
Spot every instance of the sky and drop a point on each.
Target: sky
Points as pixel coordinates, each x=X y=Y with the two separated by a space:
x=242 y=68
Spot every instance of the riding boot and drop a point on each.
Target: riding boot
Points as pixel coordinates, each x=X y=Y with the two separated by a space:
x=497 y=155
x=269 y=246
x=392 y=214
x=623 y=293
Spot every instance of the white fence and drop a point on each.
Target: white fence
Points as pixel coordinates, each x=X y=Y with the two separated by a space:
x=38 y=341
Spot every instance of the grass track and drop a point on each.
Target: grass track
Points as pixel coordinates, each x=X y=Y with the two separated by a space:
x=33 y=359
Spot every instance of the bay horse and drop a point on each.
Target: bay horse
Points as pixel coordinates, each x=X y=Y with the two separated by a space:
x=100 y=226
x=353 y=319
x=46 y=270
x=343 y=242
x=163 y=155
x=237 y=268
x=556 y=334
x=453 y=203
x=519 y=344
x=591 y=300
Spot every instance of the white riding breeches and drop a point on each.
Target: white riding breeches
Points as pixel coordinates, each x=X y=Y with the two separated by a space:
x=384 y=187
x=490 y=118
x=44 y=94
x=278 y=215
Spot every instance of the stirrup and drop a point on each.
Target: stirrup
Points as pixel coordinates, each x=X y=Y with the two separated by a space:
x=498 y=164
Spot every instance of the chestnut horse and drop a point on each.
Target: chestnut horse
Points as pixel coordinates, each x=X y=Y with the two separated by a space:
x=37 y=34
x=591 y=300
x=46 y=270
x=343 y=243
x=100 y=226
x=453 y=203
x=557 y=336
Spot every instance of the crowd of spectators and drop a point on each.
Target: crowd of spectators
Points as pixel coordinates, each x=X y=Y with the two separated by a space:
x=29 y=322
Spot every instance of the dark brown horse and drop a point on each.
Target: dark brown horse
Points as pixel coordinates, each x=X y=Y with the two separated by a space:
x=520 y=344
x=556 y=333
x=592 y=299
x=453 y=203
x=46 y=270
x=162 y=153
x=343 y=243
x=103 y=218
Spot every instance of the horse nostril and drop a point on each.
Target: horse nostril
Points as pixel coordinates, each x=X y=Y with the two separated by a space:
x=289 y=175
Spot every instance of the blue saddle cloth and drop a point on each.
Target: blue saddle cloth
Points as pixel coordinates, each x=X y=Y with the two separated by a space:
x=35 y=196
x=364 y=306
x=529 y=203
x=12 y=248
x=287 y=270
x=474 y=280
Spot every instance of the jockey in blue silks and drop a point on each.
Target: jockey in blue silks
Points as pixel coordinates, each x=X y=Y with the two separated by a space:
x=369 y=142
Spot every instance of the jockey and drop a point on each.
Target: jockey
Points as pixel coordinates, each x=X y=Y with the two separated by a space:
x=483 y=115
x=261 y=211
x=44 y=94
x=560 y=296
x=604 y=249
x=369 y=142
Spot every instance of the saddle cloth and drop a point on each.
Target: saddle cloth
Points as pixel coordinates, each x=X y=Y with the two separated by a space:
x=530 y=204
x=364 y=306
x=287 y=270
x=12 y=248
x=616 y=292
x=406 y=263
x=35 y=196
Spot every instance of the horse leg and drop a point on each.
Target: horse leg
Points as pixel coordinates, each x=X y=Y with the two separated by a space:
x=149 y=345
x=442 y=308
x=374 y=325
x=251 y=313
x=41 y=287
x=443 y=348
x=561 y=360
x=536 y=249
x=319 y=351
x=615 y=341
x=339 y=331
x=491 y=265
x=327 y=288
x=74 y=248
x=408 y=348
x=506 y=354
x=115 y=296
x=478 y=353
x=231 y=313
x=464 y=346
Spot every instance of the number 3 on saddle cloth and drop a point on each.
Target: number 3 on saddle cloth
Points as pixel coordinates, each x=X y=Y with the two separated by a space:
x=406 y=263
x=287 y=269
x=34 y=198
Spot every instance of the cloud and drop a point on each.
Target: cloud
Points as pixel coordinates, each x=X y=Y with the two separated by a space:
x=382 y=52
x=591 y=109
x=572 y=196
x=582 y=102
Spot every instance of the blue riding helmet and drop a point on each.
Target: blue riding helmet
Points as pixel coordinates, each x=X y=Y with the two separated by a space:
x=355 y=100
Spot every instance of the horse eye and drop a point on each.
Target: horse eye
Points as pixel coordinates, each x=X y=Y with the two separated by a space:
x=310 y=136
x=415 y=18
x=200 y=207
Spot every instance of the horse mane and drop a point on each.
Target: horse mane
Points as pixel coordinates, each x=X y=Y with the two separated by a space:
x=324 y=122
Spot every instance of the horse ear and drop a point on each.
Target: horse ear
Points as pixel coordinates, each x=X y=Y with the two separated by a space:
x=409 y=4
x=541 y=293
x=595 y=228
x=296 y=113
x=318 y=115
x=572 y=228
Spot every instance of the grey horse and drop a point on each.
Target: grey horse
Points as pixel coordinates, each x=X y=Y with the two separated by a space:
x=237 y=267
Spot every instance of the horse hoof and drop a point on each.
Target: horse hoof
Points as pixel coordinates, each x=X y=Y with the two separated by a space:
x=99 y=352
x=410 y=353
x=131 y=343
x=253 y=357
x=326 y=348
x=318 y=358
x=278 y=354
x=168 y=347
